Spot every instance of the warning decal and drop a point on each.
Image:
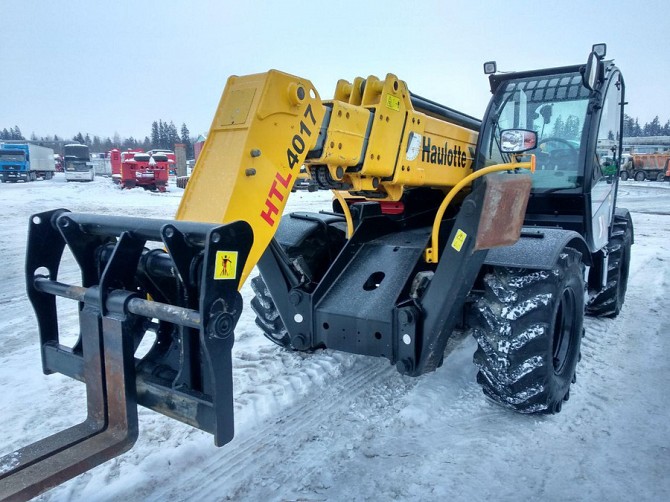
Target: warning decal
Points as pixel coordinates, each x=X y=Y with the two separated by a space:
x=459 y=239
x=392 y=102
x=226 y=265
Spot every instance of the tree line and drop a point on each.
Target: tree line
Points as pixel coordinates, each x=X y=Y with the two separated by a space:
x=570 y=128
x=163 y=135
x=632 y=128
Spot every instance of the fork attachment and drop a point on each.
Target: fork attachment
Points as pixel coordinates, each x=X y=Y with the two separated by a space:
x=183 y=293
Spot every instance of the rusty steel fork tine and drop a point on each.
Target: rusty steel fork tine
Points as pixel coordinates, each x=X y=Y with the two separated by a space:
x=111 y=425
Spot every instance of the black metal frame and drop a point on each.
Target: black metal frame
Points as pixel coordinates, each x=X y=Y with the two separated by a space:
x=187 y=374
x=363 y=304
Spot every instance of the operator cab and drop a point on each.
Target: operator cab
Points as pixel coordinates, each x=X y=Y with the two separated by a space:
x=576 y=116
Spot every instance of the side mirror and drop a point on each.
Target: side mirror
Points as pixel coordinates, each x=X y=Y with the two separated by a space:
x=517 y=140
x=590 y=75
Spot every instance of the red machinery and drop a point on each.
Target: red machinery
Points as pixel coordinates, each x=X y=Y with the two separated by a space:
x=145 y=170
x=117 y=157
x=172 y=160
x=149 y=170
x=115 y=160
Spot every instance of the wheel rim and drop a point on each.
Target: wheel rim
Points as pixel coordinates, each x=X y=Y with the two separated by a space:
x=564 y=331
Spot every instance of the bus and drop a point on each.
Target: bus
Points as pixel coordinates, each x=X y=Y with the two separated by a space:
x=77 y=161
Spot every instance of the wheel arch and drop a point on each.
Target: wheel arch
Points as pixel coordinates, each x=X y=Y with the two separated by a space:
x=539 y=248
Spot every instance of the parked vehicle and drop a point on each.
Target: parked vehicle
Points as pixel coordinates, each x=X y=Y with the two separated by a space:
x=146 y=170
x=58 y=161
x=78 y=165
x=22 y=161
x=646 y=166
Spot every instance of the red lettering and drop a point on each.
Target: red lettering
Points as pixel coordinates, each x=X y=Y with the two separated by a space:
x=283 y=181
x=275 y=192
x=267 y=214
x=271 y=209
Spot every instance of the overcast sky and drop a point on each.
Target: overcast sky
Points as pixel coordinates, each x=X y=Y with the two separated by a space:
x=102 y=67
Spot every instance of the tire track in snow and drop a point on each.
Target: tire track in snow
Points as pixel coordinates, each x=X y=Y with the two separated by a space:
x=264 y=448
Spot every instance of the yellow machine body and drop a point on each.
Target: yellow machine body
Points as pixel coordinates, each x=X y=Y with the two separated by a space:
x=266 y=124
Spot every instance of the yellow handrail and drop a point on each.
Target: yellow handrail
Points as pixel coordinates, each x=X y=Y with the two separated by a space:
x=347 y=213
x=431 y=254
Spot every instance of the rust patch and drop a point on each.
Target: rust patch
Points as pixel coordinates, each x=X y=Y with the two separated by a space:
x=503 y=210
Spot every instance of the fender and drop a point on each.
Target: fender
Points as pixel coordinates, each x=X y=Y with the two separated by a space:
x=538 y=248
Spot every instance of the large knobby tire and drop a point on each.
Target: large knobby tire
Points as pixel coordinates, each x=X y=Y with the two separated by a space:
x=608 y=302
x=640 y=176
x=529 y=325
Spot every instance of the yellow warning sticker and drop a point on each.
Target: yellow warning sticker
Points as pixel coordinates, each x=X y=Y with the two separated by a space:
x=392 y=102
x=226 y=265
x=459 y=239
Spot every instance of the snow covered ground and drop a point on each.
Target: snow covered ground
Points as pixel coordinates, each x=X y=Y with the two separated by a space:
x=334 y=426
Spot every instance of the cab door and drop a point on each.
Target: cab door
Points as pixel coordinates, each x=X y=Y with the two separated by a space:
x=606 y=162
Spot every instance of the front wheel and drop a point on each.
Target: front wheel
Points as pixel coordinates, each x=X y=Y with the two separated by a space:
x=311 y=256
x=624 y=176
x=528 y=325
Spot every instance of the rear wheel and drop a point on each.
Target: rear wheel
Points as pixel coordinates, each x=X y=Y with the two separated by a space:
x=660 y=177
x=640 y=176
x=608 y=302
x=528 y=325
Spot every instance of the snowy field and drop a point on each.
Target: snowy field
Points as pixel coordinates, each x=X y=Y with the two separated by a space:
x=334 y=426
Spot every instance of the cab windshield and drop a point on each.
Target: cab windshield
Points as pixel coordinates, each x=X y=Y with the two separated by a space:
x=12 y=156
x=555 y=108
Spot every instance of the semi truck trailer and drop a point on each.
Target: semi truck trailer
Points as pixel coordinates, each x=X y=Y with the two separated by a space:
x=23 y=161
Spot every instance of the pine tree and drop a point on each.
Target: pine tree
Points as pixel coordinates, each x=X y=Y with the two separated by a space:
x=4 y=134
x=16 y=134
x=155 y=137
x=79 y=138
x=655 y=128
x=173 y=136
x=186 y=140
x=572 y=128
x=628 y=125
x=559 y=127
